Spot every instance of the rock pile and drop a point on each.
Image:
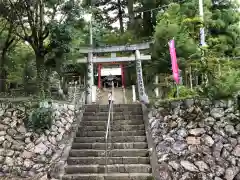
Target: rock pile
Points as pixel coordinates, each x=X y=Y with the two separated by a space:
x=26 y=153
x=197 y=139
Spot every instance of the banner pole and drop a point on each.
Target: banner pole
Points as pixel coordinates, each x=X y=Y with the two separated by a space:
x=177 y=88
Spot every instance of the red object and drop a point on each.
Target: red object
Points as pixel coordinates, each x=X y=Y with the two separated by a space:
x=174 y=61
x=99 y=75
x=122 y=74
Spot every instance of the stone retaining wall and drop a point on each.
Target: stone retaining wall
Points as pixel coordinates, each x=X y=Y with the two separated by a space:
x=25 y=153
x=196 y=139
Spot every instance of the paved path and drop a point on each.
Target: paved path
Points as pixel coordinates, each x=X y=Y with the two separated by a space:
x=118 y=96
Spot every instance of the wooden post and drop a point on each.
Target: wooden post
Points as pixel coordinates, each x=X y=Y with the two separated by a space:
x=133 y=93
x=219 y=68
x=156 y=83
x=99 y=75
x=190 y=77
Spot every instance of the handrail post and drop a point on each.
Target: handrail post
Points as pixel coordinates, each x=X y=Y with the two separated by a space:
x=106 y=154
x=111 y=119
x=124 y=96
x=108 y=129
x=111 y=125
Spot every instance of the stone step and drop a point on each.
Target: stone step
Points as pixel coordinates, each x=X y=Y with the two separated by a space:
x=116 y=117
x=116 y=168
x=110 y=160
x=116 y=107
x=114 y=123
x=115 y=110
x=114 y=128
x=85 y=133
x=117 y=139
x=102 y=146
x=117 y=113
x=109 y=176
x=112 y=153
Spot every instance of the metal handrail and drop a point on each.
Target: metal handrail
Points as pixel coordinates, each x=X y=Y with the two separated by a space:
x=108 y=128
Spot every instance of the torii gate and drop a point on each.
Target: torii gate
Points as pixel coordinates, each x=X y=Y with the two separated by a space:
x=113 y=49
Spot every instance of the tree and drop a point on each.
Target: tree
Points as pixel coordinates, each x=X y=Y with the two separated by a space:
x=7 y=41
x=34 y=22
x=174 y=24
x=223 y=28
x=182 y=22
x=21 y=64
x=112 y=11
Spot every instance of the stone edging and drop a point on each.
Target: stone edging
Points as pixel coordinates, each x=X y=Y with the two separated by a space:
x=59 y=167
x=151 y=146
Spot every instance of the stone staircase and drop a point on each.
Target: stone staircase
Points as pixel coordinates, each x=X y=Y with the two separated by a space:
x=128 y=158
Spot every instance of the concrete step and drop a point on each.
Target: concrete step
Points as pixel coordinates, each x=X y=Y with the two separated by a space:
x=114 y=123
x=102 y=146
x=116 y=168
x=115 y=117
x=117 y=139
x=112 y=153
x=110 y=176
x=114 y=133
x=110 y=160
x=114 y=128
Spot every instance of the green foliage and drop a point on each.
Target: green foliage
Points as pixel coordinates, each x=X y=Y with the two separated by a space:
x=224 y=86
x=184 y=92
x=54 y=38
x=182 y=22
x=18 y=61
x=173 y=23
x=40 y=119
x=47 y=27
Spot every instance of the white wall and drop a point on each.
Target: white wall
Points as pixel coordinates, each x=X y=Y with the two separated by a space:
x=111 y=71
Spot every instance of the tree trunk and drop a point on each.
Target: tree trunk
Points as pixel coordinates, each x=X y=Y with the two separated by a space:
x=147 y=23
x=41 y=75
x=147 y=18
x=120 y=16
x=3 y=72
x=130 y=14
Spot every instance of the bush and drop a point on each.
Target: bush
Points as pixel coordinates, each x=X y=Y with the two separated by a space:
x=40 y=119
x=183 y=92
x=224 y=86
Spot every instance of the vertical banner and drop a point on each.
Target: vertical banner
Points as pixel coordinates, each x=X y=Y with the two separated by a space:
x=174 y=61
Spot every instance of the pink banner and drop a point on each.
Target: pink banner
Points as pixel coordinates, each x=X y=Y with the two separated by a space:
x=174 y=61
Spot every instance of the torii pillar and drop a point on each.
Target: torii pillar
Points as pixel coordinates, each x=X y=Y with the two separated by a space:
x=141 y=90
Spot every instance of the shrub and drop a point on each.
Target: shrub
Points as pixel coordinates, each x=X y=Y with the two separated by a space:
x=224 y=86
x=183 y=92
x=40 y=119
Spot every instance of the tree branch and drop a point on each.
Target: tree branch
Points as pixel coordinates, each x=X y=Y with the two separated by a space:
x=20 y=19
x=36 y=16
x=54 y=13
x=46 y=33
x=41 y=14
x=10 y=39
x=31 y=22
x=4 y=27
